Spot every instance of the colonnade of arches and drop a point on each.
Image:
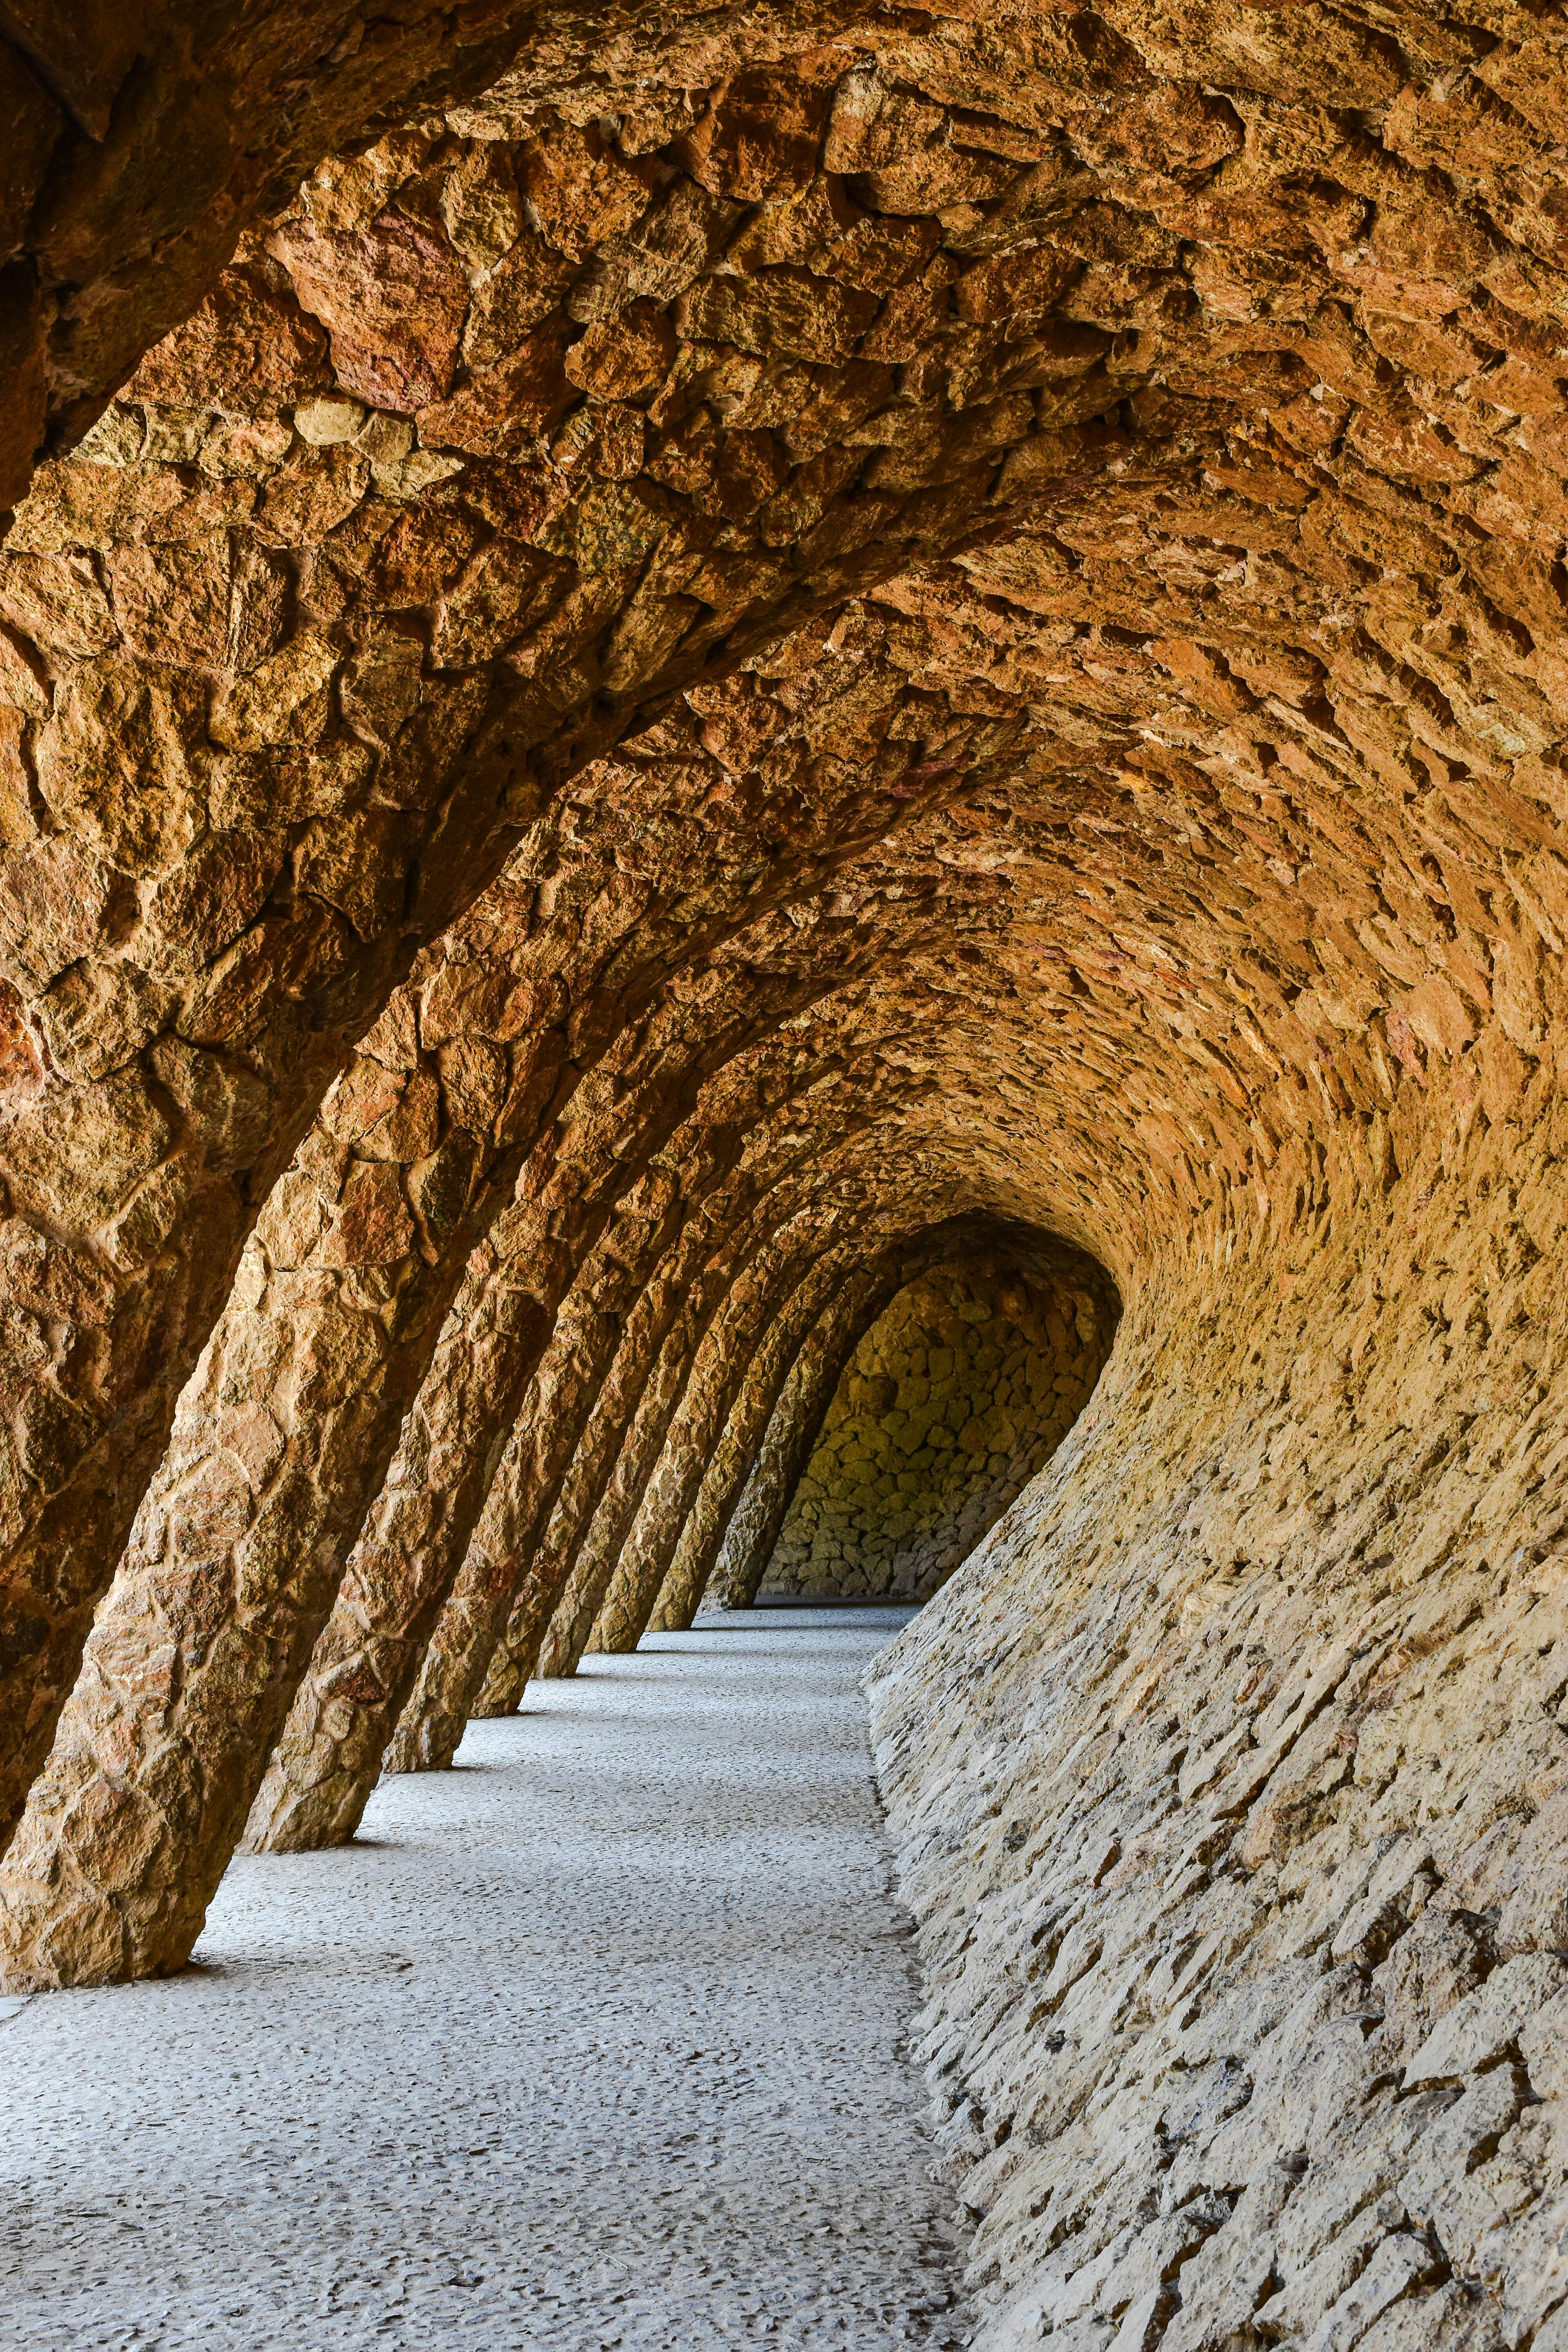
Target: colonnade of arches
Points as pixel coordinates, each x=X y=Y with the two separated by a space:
x=654 y=674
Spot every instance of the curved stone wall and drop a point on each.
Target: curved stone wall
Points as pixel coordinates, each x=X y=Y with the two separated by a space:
x=684 y=654
x=1228 y=1783
x=962 y=1387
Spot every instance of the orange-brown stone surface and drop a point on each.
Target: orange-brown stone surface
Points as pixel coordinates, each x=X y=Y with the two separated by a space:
x=817 y=627
x=292 y=652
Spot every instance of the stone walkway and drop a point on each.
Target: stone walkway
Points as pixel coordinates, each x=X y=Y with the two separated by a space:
x=593 y=2042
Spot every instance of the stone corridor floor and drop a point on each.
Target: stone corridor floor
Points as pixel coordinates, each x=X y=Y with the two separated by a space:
x=592 y=2042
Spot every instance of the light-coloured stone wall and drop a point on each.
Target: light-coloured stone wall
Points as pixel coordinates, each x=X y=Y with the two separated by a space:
x=1229 y=1778
x=963 y=1388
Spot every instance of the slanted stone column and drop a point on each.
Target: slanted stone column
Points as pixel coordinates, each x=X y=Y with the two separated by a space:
x=241 y=1542
x=402 y=1572
x=792 y=1431
x=748 y=1292
x=706 y=1465
x=760 y=1322
x=328 y=1757
x=546 y=1491
x=283 y=1438
x=588 y=1385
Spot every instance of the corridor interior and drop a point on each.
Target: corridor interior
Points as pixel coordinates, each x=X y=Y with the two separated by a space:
x=784 y=878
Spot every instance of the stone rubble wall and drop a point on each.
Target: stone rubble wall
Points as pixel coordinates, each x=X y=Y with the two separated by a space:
x=1229 y=1778
x=965 y=1384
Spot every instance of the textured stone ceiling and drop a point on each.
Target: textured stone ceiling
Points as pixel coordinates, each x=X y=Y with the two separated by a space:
x=717 y=644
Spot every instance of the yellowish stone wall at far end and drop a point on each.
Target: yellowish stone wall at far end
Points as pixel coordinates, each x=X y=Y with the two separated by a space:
x=958 y=1393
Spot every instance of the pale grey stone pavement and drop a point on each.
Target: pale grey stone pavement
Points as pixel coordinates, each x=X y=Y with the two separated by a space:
x=592 y=2042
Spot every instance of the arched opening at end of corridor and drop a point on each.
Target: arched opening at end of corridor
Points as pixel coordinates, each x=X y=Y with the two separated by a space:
x=885 y=1466
x=961 y=1391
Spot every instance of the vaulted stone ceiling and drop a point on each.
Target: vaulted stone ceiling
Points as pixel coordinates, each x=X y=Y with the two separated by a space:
x=650 y=668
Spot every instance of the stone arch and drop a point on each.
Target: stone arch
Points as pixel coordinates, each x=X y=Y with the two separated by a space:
x=977 y=605
x=954 y=1397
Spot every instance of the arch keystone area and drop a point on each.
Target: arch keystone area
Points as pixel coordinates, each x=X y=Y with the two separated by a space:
x=687 y=707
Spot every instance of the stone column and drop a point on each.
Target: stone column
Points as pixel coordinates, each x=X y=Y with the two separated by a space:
x=797 y=1417
x=671 y=1558
x=510 y=1542
x=328 y=1757
x=285 y=1433
x=402 y=1568
x=613 y=1583
x=587 y=1576
x=561 y=1457
x=284 y=1437
x=664 y=1591
x=549 y=1483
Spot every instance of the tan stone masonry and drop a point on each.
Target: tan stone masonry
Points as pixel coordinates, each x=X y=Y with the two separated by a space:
x=646 y=662
x=1238 y=1875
